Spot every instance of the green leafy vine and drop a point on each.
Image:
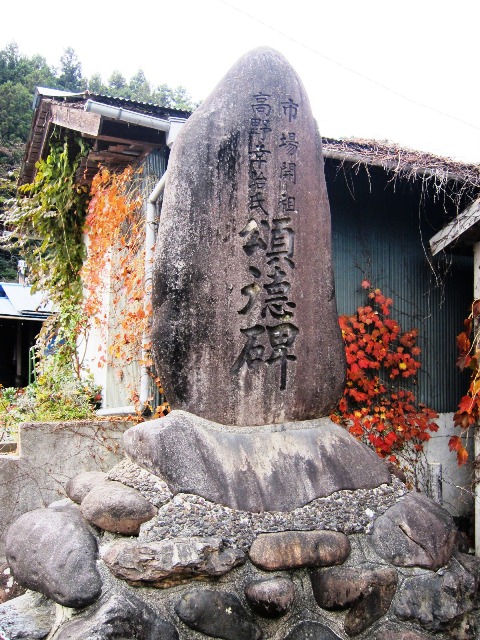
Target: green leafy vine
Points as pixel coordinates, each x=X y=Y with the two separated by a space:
x=46 y=228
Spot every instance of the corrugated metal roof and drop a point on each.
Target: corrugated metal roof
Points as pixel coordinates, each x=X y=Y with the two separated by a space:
x=144 y=107
x=18 y=301
x=6 y=308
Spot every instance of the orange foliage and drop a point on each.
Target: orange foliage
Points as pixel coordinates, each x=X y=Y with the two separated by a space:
x=468 y=412
x=373 y=407
x=114 y=271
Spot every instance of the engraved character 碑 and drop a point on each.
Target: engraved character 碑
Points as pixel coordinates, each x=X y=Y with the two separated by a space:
x=252 y=352
x=282 y=336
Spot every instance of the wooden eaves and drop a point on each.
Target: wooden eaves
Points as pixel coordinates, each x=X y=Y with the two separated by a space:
x=459 y=235
x=114 y=143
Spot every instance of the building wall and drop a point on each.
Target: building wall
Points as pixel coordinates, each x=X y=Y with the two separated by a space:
x=50 y=453
x=381 y=231
x=457 y=482
x=117 y=382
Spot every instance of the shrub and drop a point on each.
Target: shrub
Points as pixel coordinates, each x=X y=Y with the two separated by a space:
x=376 y=407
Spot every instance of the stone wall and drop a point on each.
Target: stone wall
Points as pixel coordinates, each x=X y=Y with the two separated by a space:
x=49 y=455
x=372 y=564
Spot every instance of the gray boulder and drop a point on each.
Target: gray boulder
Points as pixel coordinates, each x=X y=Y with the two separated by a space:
x=269 y=468
x=28 y=617
x=341 y=587
x=368 y=591
x=54 y=552
x=415 y=532
x=437 y=600
x=114 y=507
x=78 y=487
x=218 y=614
x=123 y=616
x=169 y=561
x=272 y=597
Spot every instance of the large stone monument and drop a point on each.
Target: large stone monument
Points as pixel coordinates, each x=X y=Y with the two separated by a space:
x=245 y=323
x=245 y=513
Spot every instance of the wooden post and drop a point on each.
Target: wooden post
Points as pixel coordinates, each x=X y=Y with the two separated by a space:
x=476 y=437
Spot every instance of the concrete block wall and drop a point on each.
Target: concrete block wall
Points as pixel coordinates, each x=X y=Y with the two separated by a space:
x=49 y=454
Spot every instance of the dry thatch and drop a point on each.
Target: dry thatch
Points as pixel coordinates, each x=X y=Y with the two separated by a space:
x=407 y=164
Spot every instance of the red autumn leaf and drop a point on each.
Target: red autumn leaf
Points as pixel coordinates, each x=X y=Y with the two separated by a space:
x=356 y=430
x=455 y=443
x=463 y=361
x=463 y=342
x=462 y=456
x=390 y=438
x=465 y=405
x=463 y=420
x=366 y=284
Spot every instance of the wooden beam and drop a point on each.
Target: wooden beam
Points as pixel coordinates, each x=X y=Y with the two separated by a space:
x=76 y=119
x=454 y=230
x=135 y=143
x=106 y=156
x=132 y=132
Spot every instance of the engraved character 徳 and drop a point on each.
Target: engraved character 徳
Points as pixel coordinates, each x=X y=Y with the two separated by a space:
x=277 y=292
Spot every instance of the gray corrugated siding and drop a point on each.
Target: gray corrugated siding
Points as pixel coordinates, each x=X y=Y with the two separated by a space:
x=381 y=232
x=154 y=166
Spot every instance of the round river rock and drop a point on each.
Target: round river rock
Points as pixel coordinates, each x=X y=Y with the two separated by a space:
x=114 y=507
x=296 y=549
x=54 y=552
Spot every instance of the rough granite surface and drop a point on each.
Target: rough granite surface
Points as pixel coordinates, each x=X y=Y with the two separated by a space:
x=264 y=468
x=150 y=486
x=241 y=212
x=346 y=511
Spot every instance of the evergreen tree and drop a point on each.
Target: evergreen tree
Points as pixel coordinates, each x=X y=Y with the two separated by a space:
x=139 y=87
x=12 y=65
x=15 y=112
x=70 y=77
x=95 y=84
x=117 y=85
x=170 y=98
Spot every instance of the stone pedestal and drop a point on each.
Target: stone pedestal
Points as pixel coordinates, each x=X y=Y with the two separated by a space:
x=376 y=563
